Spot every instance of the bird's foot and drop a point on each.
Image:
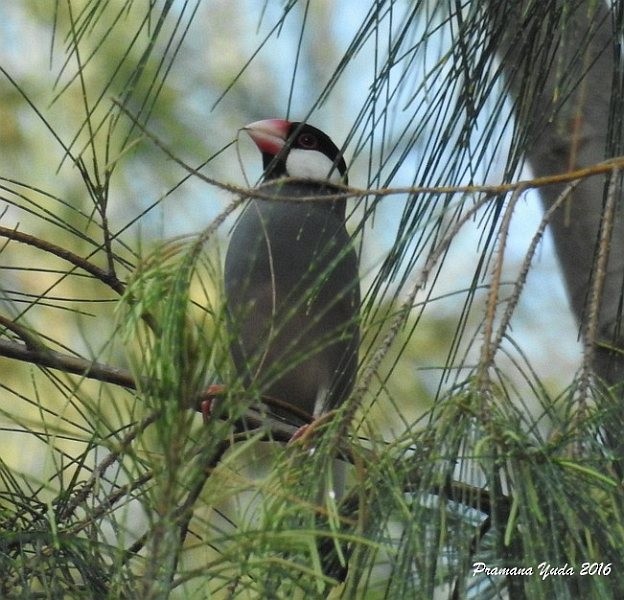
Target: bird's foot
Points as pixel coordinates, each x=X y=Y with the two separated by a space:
x=209 y=400
x=305 y=432
x=300 y=433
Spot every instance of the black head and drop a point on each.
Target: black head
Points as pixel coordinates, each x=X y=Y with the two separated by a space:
x=294 y=149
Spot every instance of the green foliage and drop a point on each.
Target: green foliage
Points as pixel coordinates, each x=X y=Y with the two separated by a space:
x=453 y=449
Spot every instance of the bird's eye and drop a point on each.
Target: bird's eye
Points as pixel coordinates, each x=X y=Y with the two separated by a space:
x=307 y=141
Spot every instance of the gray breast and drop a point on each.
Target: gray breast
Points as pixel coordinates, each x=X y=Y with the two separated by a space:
x=292 y=293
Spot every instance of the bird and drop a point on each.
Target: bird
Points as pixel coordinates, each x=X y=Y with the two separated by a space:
x=291 y=280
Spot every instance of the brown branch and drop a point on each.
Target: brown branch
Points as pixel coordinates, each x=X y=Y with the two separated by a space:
x=612 y=164
x=514 y=298
x=31 y=341
x=600 y=272
x=488 y=349
x=109 y=279
x=254 y=418
x=80 y=493
x=75 y=365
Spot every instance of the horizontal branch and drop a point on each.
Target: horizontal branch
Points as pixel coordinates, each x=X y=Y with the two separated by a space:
x=31 y=240
x=254 y=418
x=67 y=363
x=601 y=168
x=345 y=191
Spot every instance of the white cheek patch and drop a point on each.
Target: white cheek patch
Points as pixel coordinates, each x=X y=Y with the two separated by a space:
x=311 y=164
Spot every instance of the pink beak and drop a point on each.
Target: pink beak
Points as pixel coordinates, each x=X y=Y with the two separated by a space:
x=269 y=135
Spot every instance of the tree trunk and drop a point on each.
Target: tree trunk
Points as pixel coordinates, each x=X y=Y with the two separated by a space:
x=570 y=113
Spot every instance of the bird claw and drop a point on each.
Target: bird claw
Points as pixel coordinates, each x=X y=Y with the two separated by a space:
x=306 y=431
x=209 y=401
x=300 y=433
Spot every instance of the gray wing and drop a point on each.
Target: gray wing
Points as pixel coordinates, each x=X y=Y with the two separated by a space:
x=292 y=293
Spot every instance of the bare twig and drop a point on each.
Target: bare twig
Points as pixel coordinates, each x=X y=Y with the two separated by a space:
x=590 y=334
x=75 y=365
x=347 y=191
x=80 y=494
x=31 y=341
x=402 y=313
x=105 y=277
x=488 y=349
x=512 y=301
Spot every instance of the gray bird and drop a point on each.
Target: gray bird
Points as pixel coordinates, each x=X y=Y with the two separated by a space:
x=291 y=275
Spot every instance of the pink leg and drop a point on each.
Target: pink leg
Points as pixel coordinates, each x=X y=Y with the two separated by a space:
x=299 y=433
x=209 y=399
x=307 y=431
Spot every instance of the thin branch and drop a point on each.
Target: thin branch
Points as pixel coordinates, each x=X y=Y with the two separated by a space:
x=110 y=279
x=488 y=349
x=402 y=313
x=110 y=501
x=513 y=300
x=31 y=341
x=348 y=191
x=81 y=493
x=44 y=357
x=69 y=364
x=590 y=335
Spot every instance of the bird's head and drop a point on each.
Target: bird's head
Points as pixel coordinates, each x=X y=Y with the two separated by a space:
x=293 y=149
